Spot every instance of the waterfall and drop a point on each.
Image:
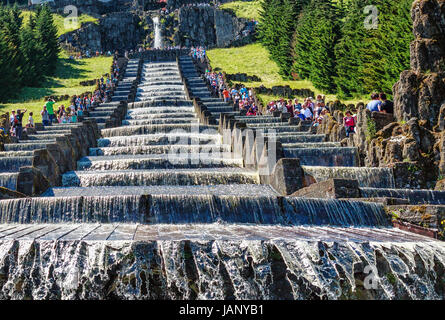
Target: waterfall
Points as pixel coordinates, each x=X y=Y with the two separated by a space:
x=208 y=262
x=193 y=208
x=157 y=33
x=161 y=209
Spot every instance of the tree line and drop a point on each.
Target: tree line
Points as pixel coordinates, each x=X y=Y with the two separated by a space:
x=345 y=47
x=28 y=50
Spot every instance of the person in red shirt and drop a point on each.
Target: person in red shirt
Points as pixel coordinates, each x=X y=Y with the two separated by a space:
x=226 y=95
x=349 y=123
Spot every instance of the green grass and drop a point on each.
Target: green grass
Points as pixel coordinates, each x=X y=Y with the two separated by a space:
x=253 y=59
x=244 y=9
x=67 y=80
x=59 y=21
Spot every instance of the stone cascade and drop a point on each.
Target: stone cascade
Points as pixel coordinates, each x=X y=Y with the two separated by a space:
x=163 y=208
x=54 y=149
x=329 y=160
x=319 y=160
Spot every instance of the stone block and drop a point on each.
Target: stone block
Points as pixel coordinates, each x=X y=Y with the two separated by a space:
x=287 y=176
x=331 y=189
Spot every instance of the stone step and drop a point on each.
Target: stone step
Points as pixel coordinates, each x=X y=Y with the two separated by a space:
x=159 y=139
x=43 y=137
x=4 y=154
x=159 y=121
x=9 y=180
x=13 y=164
x=31 y=145
x=160 y=149
x=366 y=176
x=179 y=114
x=178 y=233
x=414 y=196
x=158 y=129
x=179 y=177
x=330 y=157
x=161 y=161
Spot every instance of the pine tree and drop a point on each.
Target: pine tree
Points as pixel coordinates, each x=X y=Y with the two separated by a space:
x=32 y=72
x=46 y=36
x=325 y=36
x=348 y=52
x=9 y=80
x=303 y=42
x=277 y=25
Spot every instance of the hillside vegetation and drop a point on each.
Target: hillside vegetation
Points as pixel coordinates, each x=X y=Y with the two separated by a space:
x=244 y=9
x=254 y=59
x=348 y=48
x=69 y=74
x=59 y=21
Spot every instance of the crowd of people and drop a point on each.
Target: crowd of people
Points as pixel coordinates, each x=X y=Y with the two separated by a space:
x=310 y=110
x=240 y=96
x=198 y=53
x=313 y=110
x=79 y=104
x=16 y=122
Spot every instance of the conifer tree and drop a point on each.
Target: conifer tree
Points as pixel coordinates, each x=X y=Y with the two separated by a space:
x=46 y=36
x=32 y=72
x=325 y=36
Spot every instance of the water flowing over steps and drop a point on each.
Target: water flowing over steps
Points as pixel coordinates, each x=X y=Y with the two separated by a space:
x=320 y=160
x=131 y=223
x=17 y=155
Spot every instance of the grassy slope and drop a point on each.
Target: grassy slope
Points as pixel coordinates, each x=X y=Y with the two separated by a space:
x=66 y=81
x=59 y=21
x=68 y=75
x=253 y=59
x=244 y=9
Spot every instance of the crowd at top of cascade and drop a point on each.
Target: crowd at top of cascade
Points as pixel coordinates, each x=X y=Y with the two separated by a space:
x=79 y=104
x=313 y=110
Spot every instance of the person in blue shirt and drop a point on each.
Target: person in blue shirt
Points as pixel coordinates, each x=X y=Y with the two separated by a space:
x=375 y=103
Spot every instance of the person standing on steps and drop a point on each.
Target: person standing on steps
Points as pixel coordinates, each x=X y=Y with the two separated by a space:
x=375 y=103
x=45 y=116
x=387 y=106
x=19 y=123
x=349 y=123
x=12 y=118
x=50 y=108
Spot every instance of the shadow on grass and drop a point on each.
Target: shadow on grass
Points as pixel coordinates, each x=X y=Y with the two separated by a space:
x=66 y=69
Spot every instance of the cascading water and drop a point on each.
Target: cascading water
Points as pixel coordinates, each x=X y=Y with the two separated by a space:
x=157 y=33
x=137 y=221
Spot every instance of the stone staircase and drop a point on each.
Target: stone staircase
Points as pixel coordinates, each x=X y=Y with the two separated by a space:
x=163 y=207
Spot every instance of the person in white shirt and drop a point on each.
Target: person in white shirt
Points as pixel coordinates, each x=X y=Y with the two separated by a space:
x=307 y=113
x=30 y=121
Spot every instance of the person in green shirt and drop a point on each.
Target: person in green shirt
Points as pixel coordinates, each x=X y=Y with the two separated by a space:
x=50 y=108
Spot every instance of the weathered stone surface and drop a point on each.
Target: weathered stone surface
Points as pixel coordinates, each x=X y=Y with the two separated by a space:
x=427 y=216
x=31 y=181
x=420 y=92
x=287 y=176
x=116 y=31
x=331 y=189
x=207 y=26
x=6 y=193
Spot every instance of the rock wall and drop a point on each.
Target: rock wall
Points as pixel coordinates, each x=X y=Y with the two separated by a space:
x=413 y=143
x=116 y=31
x=420 y=92
x=207 y=26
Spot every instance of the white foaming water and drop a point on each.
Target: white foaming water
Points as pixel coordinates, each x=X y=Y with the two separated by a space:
x=157 y=33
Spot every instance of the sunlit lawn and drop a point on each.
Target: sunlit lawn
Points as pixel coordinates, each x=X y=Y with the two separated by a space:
x=64 y=26
x=67 y=80
x=244 y=9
